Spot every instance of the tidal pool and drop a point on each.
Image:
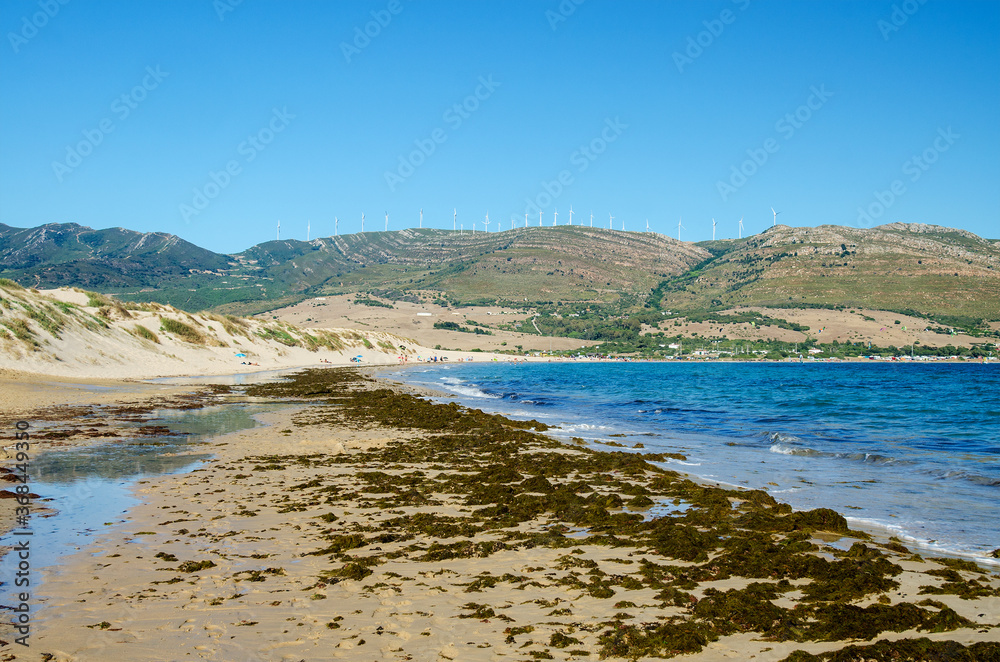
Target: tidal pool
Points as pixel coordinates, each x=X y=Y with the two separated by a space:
x=86 y=488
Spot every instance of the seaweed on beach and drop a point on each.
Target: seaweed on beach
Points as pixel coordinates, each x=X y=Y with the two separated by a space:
x=655 y=639
x=514 y=489
x=906 y=650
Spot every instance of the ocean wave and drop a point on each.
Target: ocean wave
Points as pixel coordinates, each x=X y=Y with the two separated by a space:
x=904 y=533
x=460 y=387
x=791 y=450
x=519 y=413
x=539 y=403
x=671 y=410
x=583 y=427
x=864 y=458
x=872 y=458
x=782 y=438
x=969 y=476
x=878 y=459
x=789 y=444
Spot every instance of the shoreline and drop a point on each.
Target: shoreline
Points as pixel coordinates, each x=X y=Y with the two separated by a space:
x=293 y=575
x=927 y=542
x=881 y=532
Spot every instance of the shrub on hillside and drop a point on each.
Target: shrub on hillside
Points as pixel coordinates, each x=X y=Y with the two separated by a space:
x=142 y=332
x=181 y=330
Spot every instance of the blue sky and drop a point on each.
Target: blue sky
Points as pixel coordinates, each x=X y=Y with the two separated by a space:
x=214 y=120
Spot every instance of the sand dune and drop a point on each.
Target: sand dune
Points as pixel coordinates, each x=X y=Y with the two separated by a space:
x=71 y=333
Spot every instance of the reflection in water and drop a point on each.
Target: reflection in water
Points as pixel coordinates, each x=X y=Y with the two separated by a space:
x=149 y=455
x=90 y=488
x=235 y=379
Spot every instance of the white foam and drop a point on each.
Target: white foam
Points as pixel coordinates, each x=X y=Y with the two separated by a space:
x=583 y=427
x=902 y=533
x=458 y=387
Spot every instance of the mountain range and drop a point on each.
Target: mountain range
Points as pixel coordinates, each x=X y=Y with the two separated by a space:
x=928 y=269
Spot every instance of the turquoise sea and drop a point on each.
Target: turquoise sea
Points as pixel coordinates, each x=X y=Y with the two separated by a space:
x=906 y=450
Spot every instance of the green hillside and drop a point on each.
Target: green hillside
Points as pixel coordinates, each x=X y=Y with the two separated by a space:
x=929 y=269
x=68 y=254
x=566 y=263
x=525 y=265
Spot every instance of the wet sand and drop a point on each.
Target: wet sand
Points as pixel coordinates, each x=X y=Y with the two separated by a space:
x=361 y=523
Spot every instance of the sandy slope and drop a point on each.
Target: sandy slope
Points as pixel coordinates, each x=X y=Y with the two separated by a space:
x=416 y=320
x=69 y=338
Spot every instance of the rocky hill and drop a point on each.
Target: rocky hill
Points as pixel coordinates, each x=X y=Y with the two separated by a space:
x=55 y=255
x=925 y=268
x=526 y=264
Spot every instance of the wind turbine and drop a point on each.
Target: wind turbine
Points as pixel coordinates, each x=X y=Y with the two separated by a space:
x=611 y=221
x=679 y=228
x=511 y=222
x=775 y=216
x=539 y=218
x=421 y=219
x=713 y=229
x=487 y=222
x=336 y=226
x=308 y=229
x=555 y=219
x=647 y=225
x=454 y=220
x=591 y=218
x=741 y=227
x=525 y=219
x=387 y=221
x=362 y=222
x=278 y=237
x=571 y=215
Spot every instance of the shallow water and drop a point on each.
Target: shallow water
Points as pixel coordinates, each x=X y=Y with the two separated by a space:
x=912 y=450
x=90 y=487
x=233 y=379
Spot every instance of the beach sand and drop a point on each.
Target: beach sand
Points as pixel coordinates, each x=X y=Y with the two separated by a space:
x=62 y=333
x=352 y=526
